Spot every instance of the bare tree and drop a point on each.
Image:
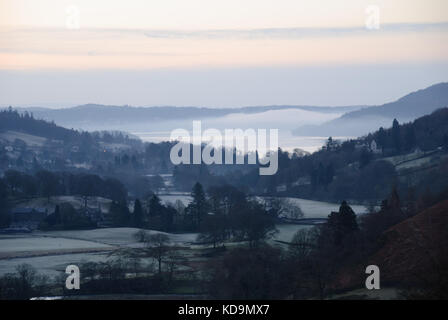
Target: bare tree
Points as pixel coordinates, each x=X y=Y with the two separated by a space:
x=290 y=209
x=157 y=247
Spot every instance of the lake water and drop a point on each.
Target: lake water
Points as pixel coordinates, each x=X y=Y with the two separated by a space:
x=287 y=141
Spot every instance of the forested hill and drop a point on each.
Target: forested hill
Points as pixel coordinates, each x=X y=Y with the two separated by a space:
x=13 y=120
x=94 y=114
x=426 y=133
x=25 y=122
x=409 y=156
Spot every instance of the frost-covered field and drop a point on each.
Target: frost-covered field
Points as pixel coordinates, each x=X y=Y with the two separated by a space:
x=287 y=231
x=47 y=254
x=51 y=265
x=107 y=236
x=320 y=209
x=30 y=244
x=116 y=236
x=51 y=251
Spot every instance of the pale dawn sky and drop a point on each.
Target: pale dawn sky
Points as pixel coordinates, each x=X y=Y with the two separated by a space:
x=174 y=39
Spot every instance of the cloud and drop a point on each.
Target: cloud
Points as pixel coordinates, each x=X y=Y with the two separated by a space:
x=256 y=33
x=293 y=33
x=22 y=48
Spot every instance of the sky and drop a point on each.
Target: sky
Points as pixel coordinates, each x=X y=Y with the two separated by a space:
x=231 y=53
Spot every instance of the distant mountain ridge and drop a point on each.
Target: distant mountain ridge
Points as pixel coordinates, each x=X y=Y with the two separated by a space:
x=405 y=109
x=352 y=120
x=94 y=113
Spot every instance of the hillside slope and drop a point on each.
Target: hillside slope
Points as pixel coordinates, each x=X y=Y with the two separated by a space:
x=405 y=109
x=415 y=248
x=413 y=105
x=412 y=254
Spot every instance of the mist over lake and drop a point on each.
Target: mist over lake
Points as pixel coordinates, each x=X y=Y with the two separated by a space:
x=283 y=120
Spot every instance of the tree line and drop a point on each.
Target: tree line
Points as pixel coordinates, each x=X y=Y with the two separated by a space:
x=220 y=214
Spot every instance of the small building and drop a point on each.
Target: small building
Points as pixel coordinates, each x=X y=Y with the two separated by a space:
x=374 y=147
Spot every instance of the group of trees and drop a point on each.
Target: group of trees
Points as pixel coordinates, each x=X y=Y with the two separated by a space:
x=23 y=284
x=156 y=246
x=302 y=270
x=223 y=213
x=317 y=261
x=4 y=205
x=337 y=171
x=46 y=184
x=66 y=217
x=19 y=185
x=426 y=133
x=325 y=175
x=229 y=214
x=158 y=215
x=396 y=140
x=128 y=271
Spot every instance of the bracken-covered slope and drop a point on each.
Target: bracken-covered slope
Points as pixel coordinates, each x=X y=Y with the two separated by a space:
x=416 y=247
x=411 y=254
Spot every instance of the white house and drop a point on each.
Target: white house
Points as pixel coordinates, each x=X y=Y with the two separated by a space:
x=374 y=147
